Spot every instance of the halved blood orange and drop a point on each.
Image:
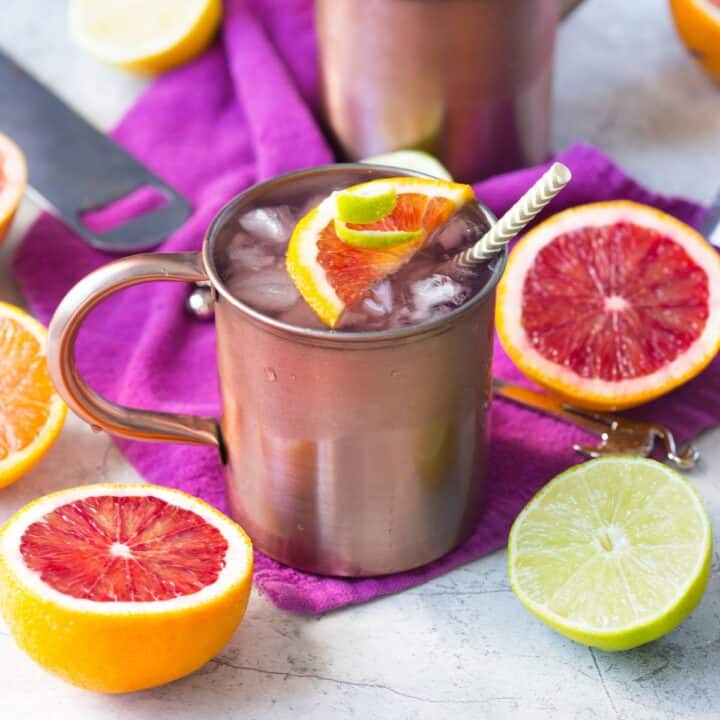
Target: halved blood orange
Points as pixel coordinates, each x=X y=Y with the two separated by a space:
x=333 y=275
x=611 y=304
x=13 y=179
x=122 y=587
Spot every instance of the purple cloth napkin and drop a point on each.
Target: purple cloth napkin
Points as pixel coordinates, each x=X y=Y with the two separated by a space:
x=241 y=113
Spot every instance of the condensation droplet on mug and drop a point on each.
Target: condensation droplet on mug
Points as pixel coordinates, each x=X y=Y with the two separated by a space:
x=394 y=373
x=270 y=374
x=293 y=376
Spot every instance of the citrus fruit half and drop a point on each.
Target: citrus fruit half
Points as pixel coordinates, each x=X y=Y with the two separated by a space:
x=611 y=304
x=333 y=275
x=145 y=36
x=31 y=412
x=612 y=553
x=121 y=587
x=13 y=179
x=698 y=23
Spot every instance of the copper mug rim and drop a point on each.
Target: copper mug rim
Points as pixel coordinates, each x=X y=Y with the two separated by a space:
x=333 y=337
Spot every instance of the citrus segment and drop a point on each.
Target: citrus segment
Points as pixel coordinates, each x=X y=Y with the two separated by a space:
x=31 y=412
x=332 y=275
x=13 y=179
x=122 y=587
x=611 y=304
x=146 y=36
x=613 y=553
x=698 y=23
x=365 y=205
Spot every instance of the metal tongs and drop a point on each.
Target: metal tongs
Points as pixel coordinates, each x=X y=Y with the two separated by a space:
x=618 y=435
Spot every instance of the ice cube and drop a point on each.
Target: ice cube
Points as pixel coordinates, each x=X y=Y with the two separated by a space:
x=273 y=224
x=383 y=296
x=245 y=251
x=463 y=228
x=436 y=292
x=270 y=290
x=302 y=315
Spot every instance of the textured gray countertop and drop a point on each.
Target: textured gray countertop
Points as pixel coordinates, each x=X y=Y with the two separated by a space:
x=460 y=646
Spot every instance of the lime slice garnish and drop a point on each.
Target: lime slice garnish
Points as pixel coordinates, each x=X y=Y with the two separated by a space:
x=374 y=238
x=366 y=205
x=613 y=553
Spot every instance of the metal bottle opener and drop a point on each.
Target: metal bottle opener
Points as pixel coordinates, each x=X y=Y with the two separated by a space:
x=75 y=168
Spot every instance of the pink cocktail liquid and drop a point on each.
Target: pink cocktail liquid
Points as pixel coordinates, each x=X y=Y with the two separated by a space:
x=250 y=259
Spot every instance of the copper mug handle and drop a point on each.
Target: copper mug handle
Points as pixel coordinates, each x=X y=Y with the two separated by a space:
x=65 y=324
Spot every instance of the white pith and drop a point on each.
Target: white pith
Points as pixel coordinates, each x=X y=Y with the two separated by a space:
x=237 y=556
x=315 y=222
x=681 y=591
x=606 y=214
x=709 y=8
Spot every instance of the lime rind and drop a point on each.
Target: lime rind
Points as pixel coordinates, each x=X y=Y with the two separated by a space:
x=365 y=205
x=374 y=239
x=647 y=583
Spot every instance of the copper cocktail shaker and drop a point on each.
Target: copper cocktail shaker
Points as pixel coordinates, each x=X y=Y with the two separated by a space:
x=468 y=80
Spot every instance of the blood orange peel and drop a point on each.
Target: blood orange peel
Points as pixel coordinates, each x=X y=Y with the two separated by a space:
x=611 y=304
x=13 y=180
x=332 y=275
x=698 y=24
x=121 y=587
x=31 y=411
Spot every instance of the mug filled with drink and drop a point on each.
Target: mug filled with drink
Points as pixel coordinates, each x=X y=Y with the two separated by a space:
x=354 y=357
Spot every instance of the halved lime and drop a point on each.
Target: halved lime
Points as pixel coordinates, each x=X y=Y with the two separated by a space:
x=374 y=238
x=417 y=160
x=612 y=553
x=365 y=204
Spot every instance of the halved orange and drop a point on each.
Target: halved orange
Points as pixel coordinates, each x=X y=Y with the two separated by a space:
x=31 y=412
x=611 y=304
x=698 y=23
x=13 y=180
x=333 y=275
x=121 y=587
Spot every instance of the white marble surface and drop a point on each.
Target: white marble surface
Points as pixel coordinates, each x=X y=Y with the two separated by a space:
x=461 y=645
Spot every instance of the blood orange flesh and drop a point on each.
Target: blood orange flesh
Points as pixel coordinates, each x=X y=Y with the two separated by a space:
x=351 y=270
x=638 y=301
x=611 y=304
x=124 y=548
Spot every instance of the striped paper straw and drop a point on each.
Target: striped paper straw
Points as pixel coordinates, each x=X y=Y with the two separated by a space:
x=517 y=217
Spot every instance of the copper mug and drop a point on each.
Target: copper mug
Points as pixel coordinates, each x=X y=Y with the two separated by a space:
x=467 y=80
x=346 y=453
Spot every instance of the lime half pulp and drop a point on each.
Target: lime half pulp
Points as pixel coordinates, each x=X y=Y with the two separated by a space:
x=612 y=553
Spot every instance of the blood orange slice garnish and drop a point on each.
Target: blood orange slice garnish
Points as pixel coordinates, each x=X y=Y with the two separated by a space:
x=120 y=587
x=611 y=304
x=333 y=275
x=13 y=179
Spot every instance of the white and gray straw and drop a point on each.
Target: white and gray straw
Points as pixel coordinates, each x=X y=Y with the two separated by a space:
x=516 y=218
